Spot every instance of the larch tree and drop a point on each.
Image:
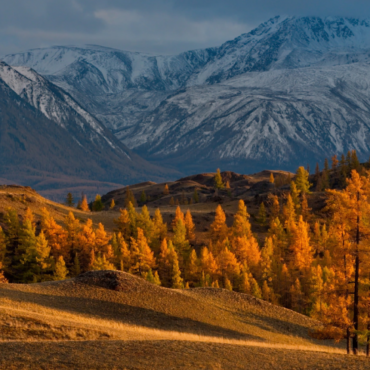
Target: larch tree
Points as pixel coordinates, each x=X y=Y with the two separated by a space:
x=301 y=181
x=177 y=281
x=143 y=197
x=190 y=227
x=180 y=242
x=228 y=265
x=178 y=215
x=352 y=206
x=217 y=180
x=247 y=251
x=164 y=264
x=142 y=257
x=219 y=228
x=159 y=232
x=289 y=213
x=97 y=205
x=166 y=190
x=145 y=223
x=196 y=196
x=101 y=240
x=129 y=197
x=69 y=200
x=123 y=224
x=301 y=247
x=112 y=204
x=275 y=207
x=122 y=253
x=262 y=214
x=84 y=206
x=192 y=268
x=61 y=271
x=272 y=179
x=241 y=225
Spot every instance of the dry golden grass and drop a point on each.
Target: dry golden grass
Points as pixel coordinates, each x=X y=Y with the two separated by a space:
x=107 y=320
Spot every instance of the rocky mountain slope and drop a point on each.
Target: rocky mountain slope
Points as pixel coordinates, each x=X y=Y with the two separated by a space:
x=292 y=91
x=44 y=132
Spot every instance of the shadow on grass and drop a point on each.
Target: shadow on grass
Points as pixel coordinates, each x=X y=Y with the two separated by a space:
x=126 y=314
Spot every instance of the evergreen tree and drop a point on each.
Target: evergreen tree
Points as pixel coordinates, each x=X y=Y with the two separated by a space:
x=301 y=181
x=262 y=214
x=156 y=280
x=218 y=180
x=266 y=292
x=255 y=289
x=123 y=224
x=69 y=201
x=355 y=163
x=143 y=197
x=129 y=198
x=42 y=253
x=195 y=196
x=76 y=265
x=305 y=210
x=122 y=253
x=289 y=212
x=145 y=222
x=244 y=285
x=177 y=281
x=227 y=284
x=334 y=162
x=180 y=241
x=100 y=263
x=160 y=230
x=344 y=171
x=294 y=192
x=98 y=204
x=61 y=271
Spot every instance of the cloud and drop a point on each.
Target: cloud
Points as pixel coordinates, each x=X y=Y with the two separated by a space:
x=157 y=26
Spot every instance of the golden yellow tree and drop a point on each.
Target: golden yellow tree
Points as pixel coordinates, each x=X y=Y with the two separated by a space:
x=219 y=228
x=142 y=257
x=351 y=206
x=190 y=227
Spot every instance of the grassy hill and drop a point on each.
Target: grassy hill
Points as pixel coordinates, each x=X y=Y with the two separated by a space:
x=110 y=319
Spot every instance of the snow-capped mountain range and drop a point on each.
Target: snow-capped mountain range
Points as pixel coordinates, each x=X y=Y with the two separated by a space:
x=44 y=131
x=290 y=92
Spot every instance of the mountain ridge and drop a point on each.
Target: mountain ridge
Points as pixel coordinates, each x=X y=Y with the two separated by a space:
x=238 y=104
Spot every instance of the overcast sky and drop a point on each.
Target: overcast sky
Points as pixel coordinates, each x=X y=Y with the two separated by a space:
x=154 y=26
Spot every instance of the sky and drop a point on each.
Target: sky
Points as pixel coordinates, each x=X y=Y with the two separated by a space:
x=152 y=26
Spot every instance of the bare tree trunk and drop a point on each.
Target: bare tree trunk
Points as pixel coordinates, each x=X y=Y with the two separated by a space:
x=348 y=341
x=357 y=269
